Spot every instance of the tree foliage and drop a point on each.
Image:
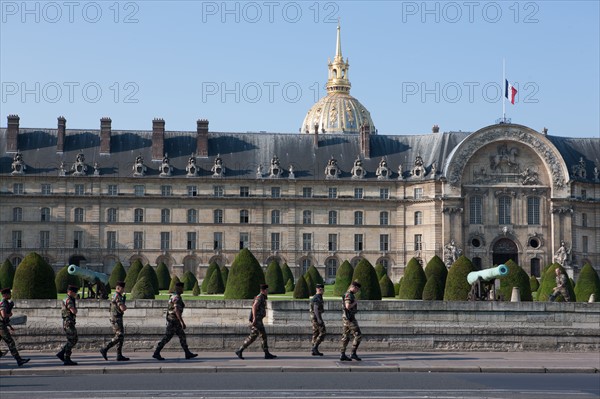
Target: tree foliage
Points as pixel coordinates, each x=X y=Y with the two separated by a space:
x=215 y=284
x=164 y=277
x=245 y=277
x=516 y=277
x=274 y=278
x=588 y=283
x=301 y=289
x=188 y=279
x=143 y=289
x=118 y=274
x=7 y=274
x=534 y=284
x=365 y=274
x=211 y=269
x=132 y=275
x=289 y=286
x=315 y=275
x=457 y=286
x=224 y=274
x=343 y=278
x=174 y=280
x=34 y=279
x=549 y=282
x=196 y=289
x=63 y=280
x=386 y=286
x=287 y=273
x=436 y=267
x=413 y=281
x=433 y=290
x=149 y=272
x=312 y=289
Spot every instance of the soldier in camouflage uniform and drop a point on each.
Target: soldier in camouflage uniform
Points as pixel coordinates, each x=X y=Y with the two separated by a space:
x=117 y=309
x=350 y=324
x=175 y=324
x=316 y=316
x=69 y=315
x=257 y=328
x=6 y=306
x=561 y=286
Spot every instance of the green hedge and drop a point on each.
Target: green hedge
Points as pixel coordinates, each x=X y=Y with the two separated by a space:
x=224 y=274
x=149 y=273
x=301 y=289
x=196 y=289
x=534 y=284
x=343 y=278
x=164 y=277
x=457 y=286
x=516 y=277
x=365 y=274
x=132 y=275
x=433 y=290
x=287 y=274
x=188 y=279
x=7 y=274
x=396 y=289
x=34 y=279
x=381 y=271
x=436 y=267
x=211 y=269
x=289 y=286
x=63 y=280
x=143 y=289
x=387 y=287
x=245 y=277
x=312 y=289
x=215 y=284
x=118 y=274
x=549 y=282
x=174 y=280
x=315 y=275
x=588 y=283
x=274 y=278
x=413 y=281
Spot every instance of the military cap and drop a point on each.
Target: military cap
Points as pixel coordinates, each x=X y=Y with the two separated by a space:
x=180 y=284
x=319 y=286
x=264 y=286
x=5 y=291
x=73 y=288
x=356 y=284
x=120 y=284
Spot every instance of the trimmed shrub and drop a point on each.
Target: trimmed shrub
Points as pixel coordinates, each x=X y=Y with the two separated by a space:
x=132 y=275
x=301 y=289
x=163 y=275
x=343 y=278
x=118 y=274
x=34 y=279
x=143 y=289
x=381 y=271
x=7 y=274
x=549 y=282
x=174 y=280
x=289 y=286
x=315 y=275
x=215 y=284
x=245 y=277
x=457 y=287
x=433 y=290
x=516 y=277
x=149 y=272
x=188 y=279
x=386 y=286
x=196 y=289
x=274 y=278
x=365 y=274
x=63 y=280
x=436 y=267
x=588 y=283
x=224 y=274
x=287 y=274
x=534 y=284
x=211 y=269
x=396 y=289
x=312 y=289
x=413 y=282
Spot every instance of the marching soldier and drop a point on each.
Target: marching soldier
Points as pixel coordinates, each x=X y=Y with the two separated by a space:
x=117 y=309
x=258 y=313
x=6 y=306
x=69 y=315
x=175 y=324
x=561 y=286
x=350 y=324
x=316 y=316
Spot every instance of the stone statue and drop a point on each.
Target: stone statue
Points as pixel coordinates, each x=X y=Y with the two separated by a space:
x=259 y=171
x=358 y=172
x=382 y=172
x=18 y=166
x=562 y=254
x=96 y=169
x=291 y=172
x=218 y=169
x=451 y=253
x=528 y=176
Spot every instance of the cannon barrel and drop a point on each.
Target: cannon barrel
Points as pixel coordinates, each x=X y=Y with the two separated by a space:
x=488 y=274
x=88 y=275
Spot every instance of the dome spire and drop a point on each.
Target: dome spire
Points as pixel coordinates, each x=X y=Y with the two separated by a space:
x=338 y=69
x=338 y=48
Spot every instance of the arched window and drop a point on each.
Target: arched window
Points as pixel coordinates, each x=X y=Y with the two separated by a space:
x=165 y=216
x=17 y=214
x=306 y=217
x=244 y=216
x=138 y=215
x=418 y=217
x=358 y=218
x=504 y=209
x=78 y=215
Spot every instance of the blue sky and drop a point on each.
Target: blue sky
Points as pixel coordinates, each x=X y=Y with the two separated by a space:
x=259 y=66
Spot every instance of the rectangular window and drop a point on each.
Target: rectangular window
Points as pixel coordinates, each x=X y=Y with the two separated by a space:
x=218 y=240
x=166 y=191
x=139 y=190
x=192 y=191
x=358 y=218
x=79 y=189
x=275 y=192
x=583 y=194
x=244 y=240
x=418 y=242
x=138 y=240
x=165 y=216
x=111 y=240
x=384 y=218
x=45 y=215
x=244 y=216
x=333 y=217
x=306 y=217
x=138 y=215
x=358 y=193
x=384 y=242
x=218 y=216
x=584 y=220
x=244 y=191
x=111 y=215
x=384 y=193
x=78 y=215
x=191 y=240
x=46 y=189
x=418 y=218
x=78 y=239
x=275 y=241
x=165 y=240
x=17 y=239
x=275 y=217
x=192 y=216
x=18 y=189
x=306 y=241
x=218 y=191
x=44 y=239
x=476 y=210
x=113 y=189
x=332 y=242
x=584 y=244
x=504 y=207
x=307 y=192
x=332 y=192
x=17 y=214
x=358 y=242
x=533 y=210
x=418 y=193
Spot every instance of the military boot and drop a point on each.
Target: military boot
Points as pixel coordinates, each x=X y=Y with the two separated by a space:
x=121 y=358
x=189 y=354
x=354 y=356
x=315 y=351
x=269 y=355
x=345 y=358
x=239 y=352
x=69 y=362
x=61 y=355
x=157 y=355
x=21 y=361
x=104 y=353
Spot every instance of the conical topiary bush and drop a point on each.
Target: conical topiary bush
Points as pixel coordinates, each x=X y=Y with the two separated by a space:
x=289 y=286
x=588 y=283
x=343 y=278
x=132 y=275
x=7 y=274
x=224 y=274
x=274 y=278
x=534 y=284
x=516 y=277
x=196 y=289
x=365 y=274
x=211 y=269
x=312 y=289
x=143 y=289
x=549 y=282
x=174 y=280
x=301 y=289
x=245 y=277
x=118 y=274
x=287 y=274
x=34 y=279
x=387 y=287
x=315 y=275
x=163 y=275
x=433 y=290
x=436 y=267
x=149 y=272
x=188 y=279
x=457 y=286
x=63 y=280
x=215 y=285
x=413 y=281
x=380 y=270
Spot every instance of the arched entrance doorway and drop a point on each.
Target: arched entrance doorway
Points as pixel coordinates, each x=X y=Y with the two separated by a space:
x=505 y=249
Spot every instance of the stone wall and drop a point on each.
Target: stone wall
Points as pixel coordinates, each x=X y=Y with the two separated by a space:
x=386 y=325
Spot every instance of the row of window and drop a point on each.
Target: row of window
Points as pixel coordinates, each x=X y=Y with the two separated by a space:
x=504 y=210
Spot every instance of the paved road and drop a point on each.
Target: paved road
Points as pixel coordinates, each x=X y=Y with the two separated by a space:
x=305 y=385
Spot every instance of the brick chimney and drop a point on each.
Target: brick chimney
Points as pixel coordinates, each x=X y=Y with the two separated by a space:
x=62 y=127
x=158 y=138
x=435 y=129
x=365 y=141
x=105 y=131
x=12 y=132
x=202 y=138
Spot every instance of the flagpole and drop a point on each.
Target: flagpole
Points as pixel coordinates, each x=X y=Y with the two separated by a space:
x=503 y=85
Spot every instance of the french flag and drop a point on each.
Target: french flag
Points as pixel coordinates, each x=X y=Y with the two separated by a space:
x=509 y=91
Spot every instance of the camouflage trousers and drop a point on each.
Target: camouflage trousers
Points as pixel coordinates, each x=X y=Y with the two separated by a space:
x=319 y=331
x=560 y=291
x=10 y=342
x=350 y=328
x=119 y=331
x=173 y=327
x=257 y=330
x=72 y=338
